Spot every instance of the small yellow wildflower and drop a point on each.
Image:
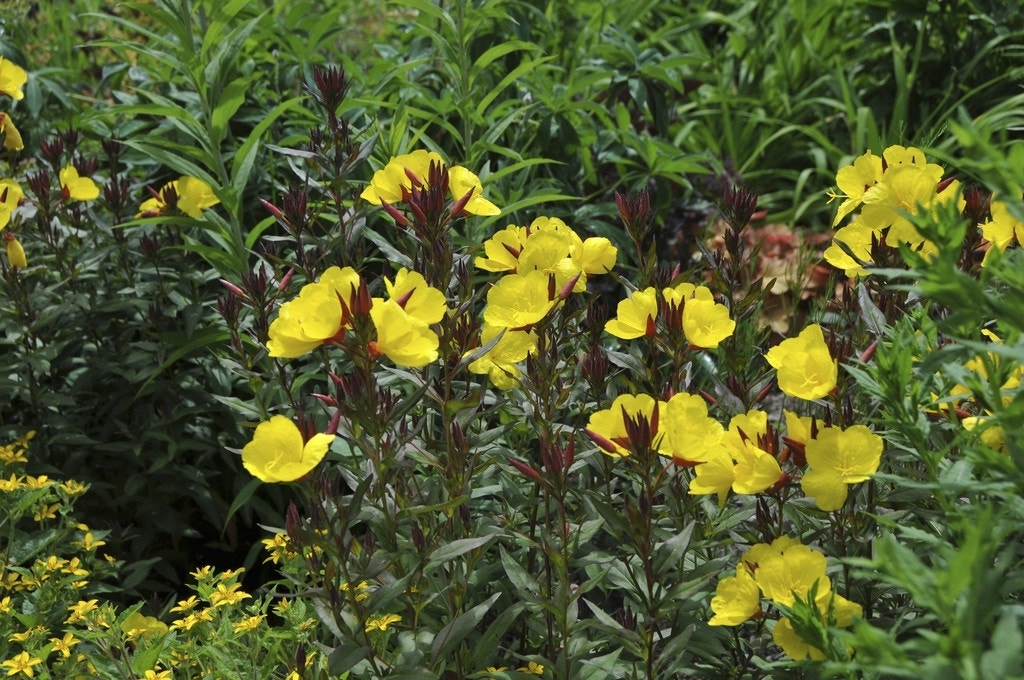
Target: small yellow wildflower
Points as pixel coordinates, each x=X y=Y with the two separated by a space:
x=227 y=595
x=64 y=644
x=186 y=605
x=80 y=610
x=533 y=668
x=45 y=512
x=192 y=620
x=22 y=663
x=381 y=622
x=248 y=623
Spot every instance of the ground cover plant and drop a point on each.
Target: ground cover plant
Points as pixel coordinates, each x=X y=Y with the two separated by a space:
x=511 y=339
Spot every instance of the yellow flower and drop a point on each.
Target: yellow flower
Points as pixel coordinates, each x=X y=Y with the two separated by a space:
x=461 y=181
x=249 y=623
x=411 y=292
x=786 y=637
x=533 y=668
x=22 y=663
x=278 y=454
x=608 y=427
x=715 y=475
x=691 y=436
x=403 y=338
x=12 y=138
x=12 y=79
x=362 y=591
x=737 y=599
x=88 y=542
x=186 y=605
x=785 y=574
x=137 y=626
x=11 y=194
x=499 y=362
x=548 y=251
x=381 y=622
x=518 y=301
x=154 y=674
x=857 y=238
x=226 y=595
x=502 y=250
x=991 y=435
x=192 y=620
x=64 y=644
x=15 y=252
x=838 y=458
x=316 y=316
x=755 y=471
x=706 y=323
x=853 y=180
x=1003 y=228
x=77 y=188
x=190 y=195
x=395 y=181
x=635 y=316
x=806 y=369
x=81 y=609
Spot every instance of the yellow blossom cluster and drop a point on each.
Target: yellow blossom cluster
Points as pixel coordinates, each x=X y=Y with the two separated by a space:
x=685 y=307
x=781 y=572
x=888 y=190
x=395 y=182
x=541 y=264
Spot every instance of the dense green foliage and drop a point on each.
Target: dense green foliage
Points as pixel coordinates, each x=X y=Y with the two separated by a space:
x=135 y=344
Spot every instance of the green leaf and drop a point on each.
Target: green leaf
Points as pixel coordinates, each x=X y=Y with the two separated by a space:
x=461 y=546
x=449 y=637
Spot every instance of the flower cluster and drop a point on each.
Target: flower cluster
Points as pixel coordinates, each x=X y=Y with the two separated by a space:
x=782 y=572
x=397 y=181
x=12 y=79
x=743 y=458
x=685 y=308
x=888 y=190
x=325 y=310
x=542 y=264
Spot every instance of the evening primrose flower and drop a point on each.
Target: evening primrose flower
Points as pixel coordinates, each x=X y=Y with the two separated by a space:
x=737 y=599
x=857 y=237
x=706 y=323
x=518 y=301
x=12 y=138
x=77 y=188
x=278 y=454
x=137 y=625
x=609 y=429
x=756 y=469
x=1003 y=228
x=838 y=458
x=499 y=362
x=395 y=181
x=853 y=180
x=11 y=194
x=806 y=369
x=402 y=337
x=190 y=195
x=715 y=475
x=15 y=252
x=795 y=647
x=411 y=292
x=636 y=315
x=691 y=435
x=12 y=79
x=782 y=575
x=316 y=316
x=502 y=250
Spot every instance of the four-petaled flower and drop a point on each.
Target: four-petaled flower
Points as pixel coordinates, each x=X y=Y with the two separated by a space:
x=838 y=458
x=278 y=454
x=806 y=369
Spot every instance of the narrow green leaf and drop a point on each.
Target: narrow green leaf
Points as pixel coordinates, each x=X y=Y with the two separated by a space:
x=449 y=637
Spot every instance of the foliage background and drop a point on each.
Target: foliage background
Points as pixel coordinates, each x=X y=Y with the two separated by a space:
x=120 y=359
